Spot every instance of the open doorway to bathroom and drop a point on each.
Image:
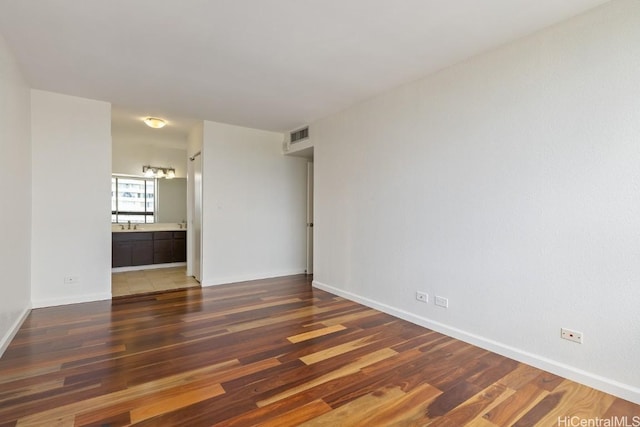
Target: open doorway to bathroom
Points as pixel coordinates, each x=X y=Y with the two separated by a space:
x=149 y=223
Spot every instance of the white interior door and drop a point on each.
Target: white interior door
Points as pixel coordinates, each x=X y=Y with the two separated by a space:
x=309 y=269
x=197 y=218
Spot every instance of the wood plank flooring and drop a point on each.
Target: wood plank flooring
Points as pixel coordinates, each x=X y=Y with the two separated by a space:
x=272 y=353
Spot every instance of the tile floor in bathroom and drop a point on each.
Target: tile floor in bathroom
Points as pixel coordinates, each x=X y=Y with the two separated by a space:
x=154 y=280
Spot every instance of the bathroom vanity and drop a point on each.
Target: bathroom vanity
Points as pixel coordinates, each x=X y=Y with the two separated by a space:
x=141 y=247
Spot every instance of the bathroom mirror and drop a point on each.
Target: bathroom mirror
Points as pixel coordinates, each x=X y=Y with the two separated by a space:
x=172 y=200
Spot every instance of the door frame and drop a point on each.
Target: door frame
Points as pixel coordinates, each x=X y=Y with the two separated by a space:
x=309 y=261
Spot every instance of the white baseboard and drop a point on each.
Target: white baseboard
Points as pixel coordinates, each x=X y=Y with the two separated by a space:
x=147 y=267
x=70 y=300
x=13 y=330
x=616 y=388
x=248 y=277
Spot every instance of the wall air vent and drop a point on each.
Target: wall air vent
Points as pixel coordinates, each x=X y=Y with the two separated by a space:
x=299 y=135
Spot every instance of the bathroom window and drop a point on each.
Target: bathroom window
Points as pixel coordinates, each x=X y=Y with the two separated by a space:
x=133 y=199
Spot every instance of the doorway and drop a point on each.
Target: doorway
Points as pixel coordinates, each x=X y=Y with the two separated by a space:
x=194 y=259
x=309 y=269
x=153 y=260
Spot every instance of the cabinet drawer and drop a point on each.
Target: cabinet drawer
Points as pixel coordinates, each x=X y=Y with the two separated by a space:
x=179 y=234
x=163 y=235
x=131 y=236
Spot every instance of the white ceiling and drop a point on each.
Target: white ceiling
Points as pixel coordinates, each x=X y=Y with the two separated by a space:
x=127 y=126
x=268 y=64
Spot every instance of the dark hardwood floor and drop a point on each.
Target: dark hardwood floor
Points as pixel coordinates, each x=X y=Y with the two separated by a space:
x=274 y=353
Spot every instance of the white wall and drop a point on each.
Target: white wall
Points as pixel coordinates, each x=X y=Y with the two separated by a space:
x=129 y=156
x=509 y=184
x=71 y=226
x=253 y=206
x=15 y=187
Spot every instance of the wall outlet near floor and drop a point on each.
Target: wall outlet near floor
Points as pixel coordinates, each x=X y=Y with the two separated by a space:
x=422 y=296
x=570 y=335
x=71 y=280
x=441 y=301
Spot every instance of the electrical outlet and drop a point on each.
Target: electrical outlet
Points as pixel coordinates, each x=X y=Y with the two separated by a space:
x=570 y=335
x=441 y=301
x=71 y=280
x=422 y=296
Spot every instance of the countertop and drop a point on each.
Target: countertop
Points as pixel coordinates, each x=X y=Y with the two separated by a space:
x=141 y=228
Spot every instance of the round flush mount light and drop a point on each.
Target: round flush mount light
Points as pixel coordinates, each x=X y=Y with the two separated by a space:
x=154 y=122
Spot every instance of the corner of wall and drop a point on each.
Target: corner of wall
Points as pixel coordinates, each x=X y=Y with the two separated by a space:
x=16 y=188
x=13 y=329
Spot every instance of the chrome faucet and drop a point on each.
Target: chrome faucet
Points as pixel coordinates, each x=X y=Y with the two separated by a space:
x=128 y=225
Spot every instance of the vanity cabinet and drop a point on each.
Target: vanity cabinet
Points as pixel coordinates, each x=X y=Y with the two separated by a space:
x=162 y=247
x=179 y=246
x=169 y=246
x=146 y=248
x=129 y=249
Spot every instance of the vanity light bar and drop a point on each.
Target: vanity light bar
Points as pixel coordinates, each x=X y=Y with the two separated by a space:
x=159 y=172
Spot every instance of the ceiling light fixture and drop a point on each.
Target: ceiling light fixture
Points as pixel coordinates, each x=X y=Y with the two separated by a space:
x=158 y=172
x=154 y=122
